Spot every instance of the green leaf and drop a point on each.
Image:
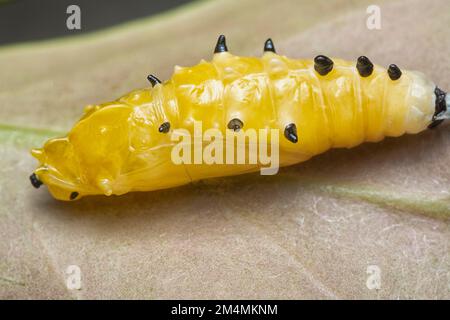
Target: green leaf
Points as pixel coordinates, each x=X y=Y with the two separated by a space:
x=312 y=231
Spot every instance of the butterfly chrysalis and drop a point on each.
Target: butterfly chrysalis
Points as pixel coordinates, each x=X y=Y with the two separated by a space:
x=126 y=145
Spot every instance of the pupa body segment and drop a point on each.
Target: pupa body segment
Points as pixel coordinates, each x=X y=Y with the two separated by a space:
x=125 y=145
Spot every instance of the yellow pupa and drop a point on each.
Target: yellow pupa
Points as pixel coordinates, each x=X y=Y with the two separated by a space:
x=126 y=145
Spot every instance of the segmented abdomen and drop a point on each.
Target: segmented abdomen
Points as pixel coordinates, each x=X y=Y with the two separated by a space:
x=127 y=145
x=342 y=107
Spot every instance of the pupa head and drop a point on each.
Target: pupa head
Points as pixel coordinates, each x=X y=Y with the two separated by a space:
x=58 y=169
x=88 y=160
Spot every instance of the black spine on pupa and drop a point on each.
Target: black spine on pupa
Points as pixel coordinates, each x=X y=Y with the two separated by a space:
x=269 y=46
x=323 y=65
x=221 y=45
x=440 y=107
x=364 y=66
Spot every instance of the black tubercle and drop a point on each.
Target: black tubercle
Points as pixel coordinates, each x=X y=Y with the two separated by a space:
x=268 y=46
x=221 y=45
x=235 y=124
x=323 y=65
x=394 y=72
x=440 y=106
x=364 y=66
x=164 y=128
x=35 y=182
x=290 y=132
x=153 y=80
x=74 y=195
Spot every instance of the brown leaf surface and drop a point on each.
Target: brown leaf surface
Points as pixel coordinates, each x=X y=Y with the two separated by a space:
x=309 y=232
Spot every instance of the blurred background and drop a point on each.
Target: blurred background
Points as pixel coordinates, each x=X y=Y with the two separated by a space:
x=322 y=229
x=27 y=20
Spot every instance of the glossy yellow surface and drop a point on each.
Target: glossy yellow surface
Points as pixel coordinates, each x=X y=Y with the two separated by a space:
x=116 y=147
